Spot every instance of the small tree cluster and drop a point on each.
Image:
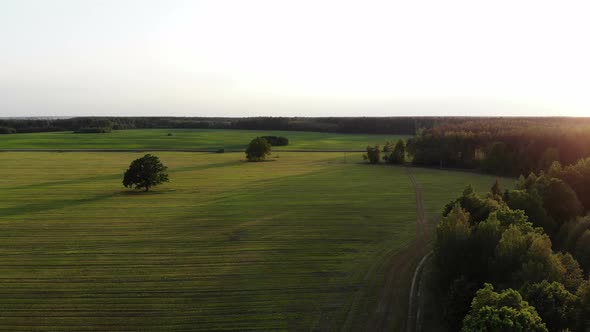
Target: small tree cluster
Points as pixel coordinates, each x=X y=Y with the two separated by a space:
x=392 y=153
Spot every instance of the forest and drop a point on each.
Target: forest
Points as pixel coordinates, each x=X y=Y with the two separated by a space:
x=530 y=243
x=502 y=146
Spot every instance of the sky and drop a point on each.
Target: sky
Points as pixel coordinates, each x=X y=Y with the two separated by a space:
x=294 y=58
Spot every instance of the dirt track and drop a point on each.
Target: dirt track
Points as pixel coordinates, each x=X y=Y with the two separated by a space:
x=414 y=299
x=393 y=301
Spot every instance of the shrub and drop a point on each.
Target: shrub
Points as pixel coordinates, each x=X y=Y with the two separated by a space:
x=276 y=140
x=373 y=154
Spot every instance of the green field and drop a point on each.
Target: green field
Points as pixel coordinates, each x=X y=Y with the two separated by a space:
x=226 y=245
x=188 y=139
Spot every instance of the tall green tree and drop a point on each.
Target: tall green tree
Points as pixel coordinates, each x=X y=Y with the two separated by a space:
x=559 y=199
x=556 y=305
x=479 y=208
x=145 y=172
x=373 y=154
x=510 y=253
x=532 y=204
x=505 y=311
x=583 y=294
x=258 y=149
x=524 y=254
x=582 y=249
x=452 y=250
x=570 y=232
x=574 y=237
x=577 y=176
x=573 y=276
x=486 y=236
x=458 y=301
x=388 y=148
x=496 y=190
x=397 y=155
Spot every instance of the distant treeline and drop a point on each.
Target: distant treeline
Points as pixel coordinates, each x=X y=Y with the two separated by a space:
x=507 y=146
x=80 y=125
x=388 y=125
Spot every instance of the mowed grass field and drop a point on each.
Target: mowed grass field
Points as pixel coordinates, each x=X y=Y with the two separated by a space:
x=289 y=244
x=188 y=139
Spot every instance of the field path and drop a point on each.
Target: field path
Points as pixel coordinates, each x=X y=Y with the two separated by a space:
x=393 y=299
x=415 y=302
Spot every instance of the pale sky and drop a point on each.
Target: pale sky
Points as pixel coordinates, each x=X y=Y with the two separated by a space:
x=294 y=58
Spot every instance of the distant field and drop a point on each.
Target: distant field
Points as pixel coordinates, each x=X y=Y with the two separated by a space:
x=226 y=245
x=187 y=139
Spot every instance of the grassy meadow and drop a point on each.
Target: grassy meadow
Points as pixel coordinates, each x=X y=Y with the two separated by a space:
x=226 y=245
x=188 y=139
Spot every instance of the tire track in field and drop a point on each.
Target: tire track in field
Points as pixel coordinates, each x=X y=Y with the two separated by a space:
x=420 y=210
x=393 y=299
x=413 y=323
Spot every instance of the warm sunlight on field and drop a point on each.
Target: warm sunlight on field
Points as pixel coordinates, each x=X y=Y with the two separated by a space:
x=296 y=243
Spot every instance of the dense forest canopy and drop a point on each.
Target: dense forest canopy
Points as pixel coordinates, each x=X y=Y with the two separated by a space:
x=531 y=243
x=502 y=146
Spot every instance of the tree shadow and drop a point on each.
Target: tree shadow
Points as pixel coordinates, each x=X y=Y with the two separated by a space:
x=67 y=182
x=257 y=161
x=202 y=167
x=114 y=176
x=141 y=192
x=53 y=205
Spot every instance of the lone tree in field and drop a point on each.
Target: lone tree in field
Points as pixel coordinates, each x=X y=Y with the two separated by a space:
x=145 y=172
x=258 y=149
